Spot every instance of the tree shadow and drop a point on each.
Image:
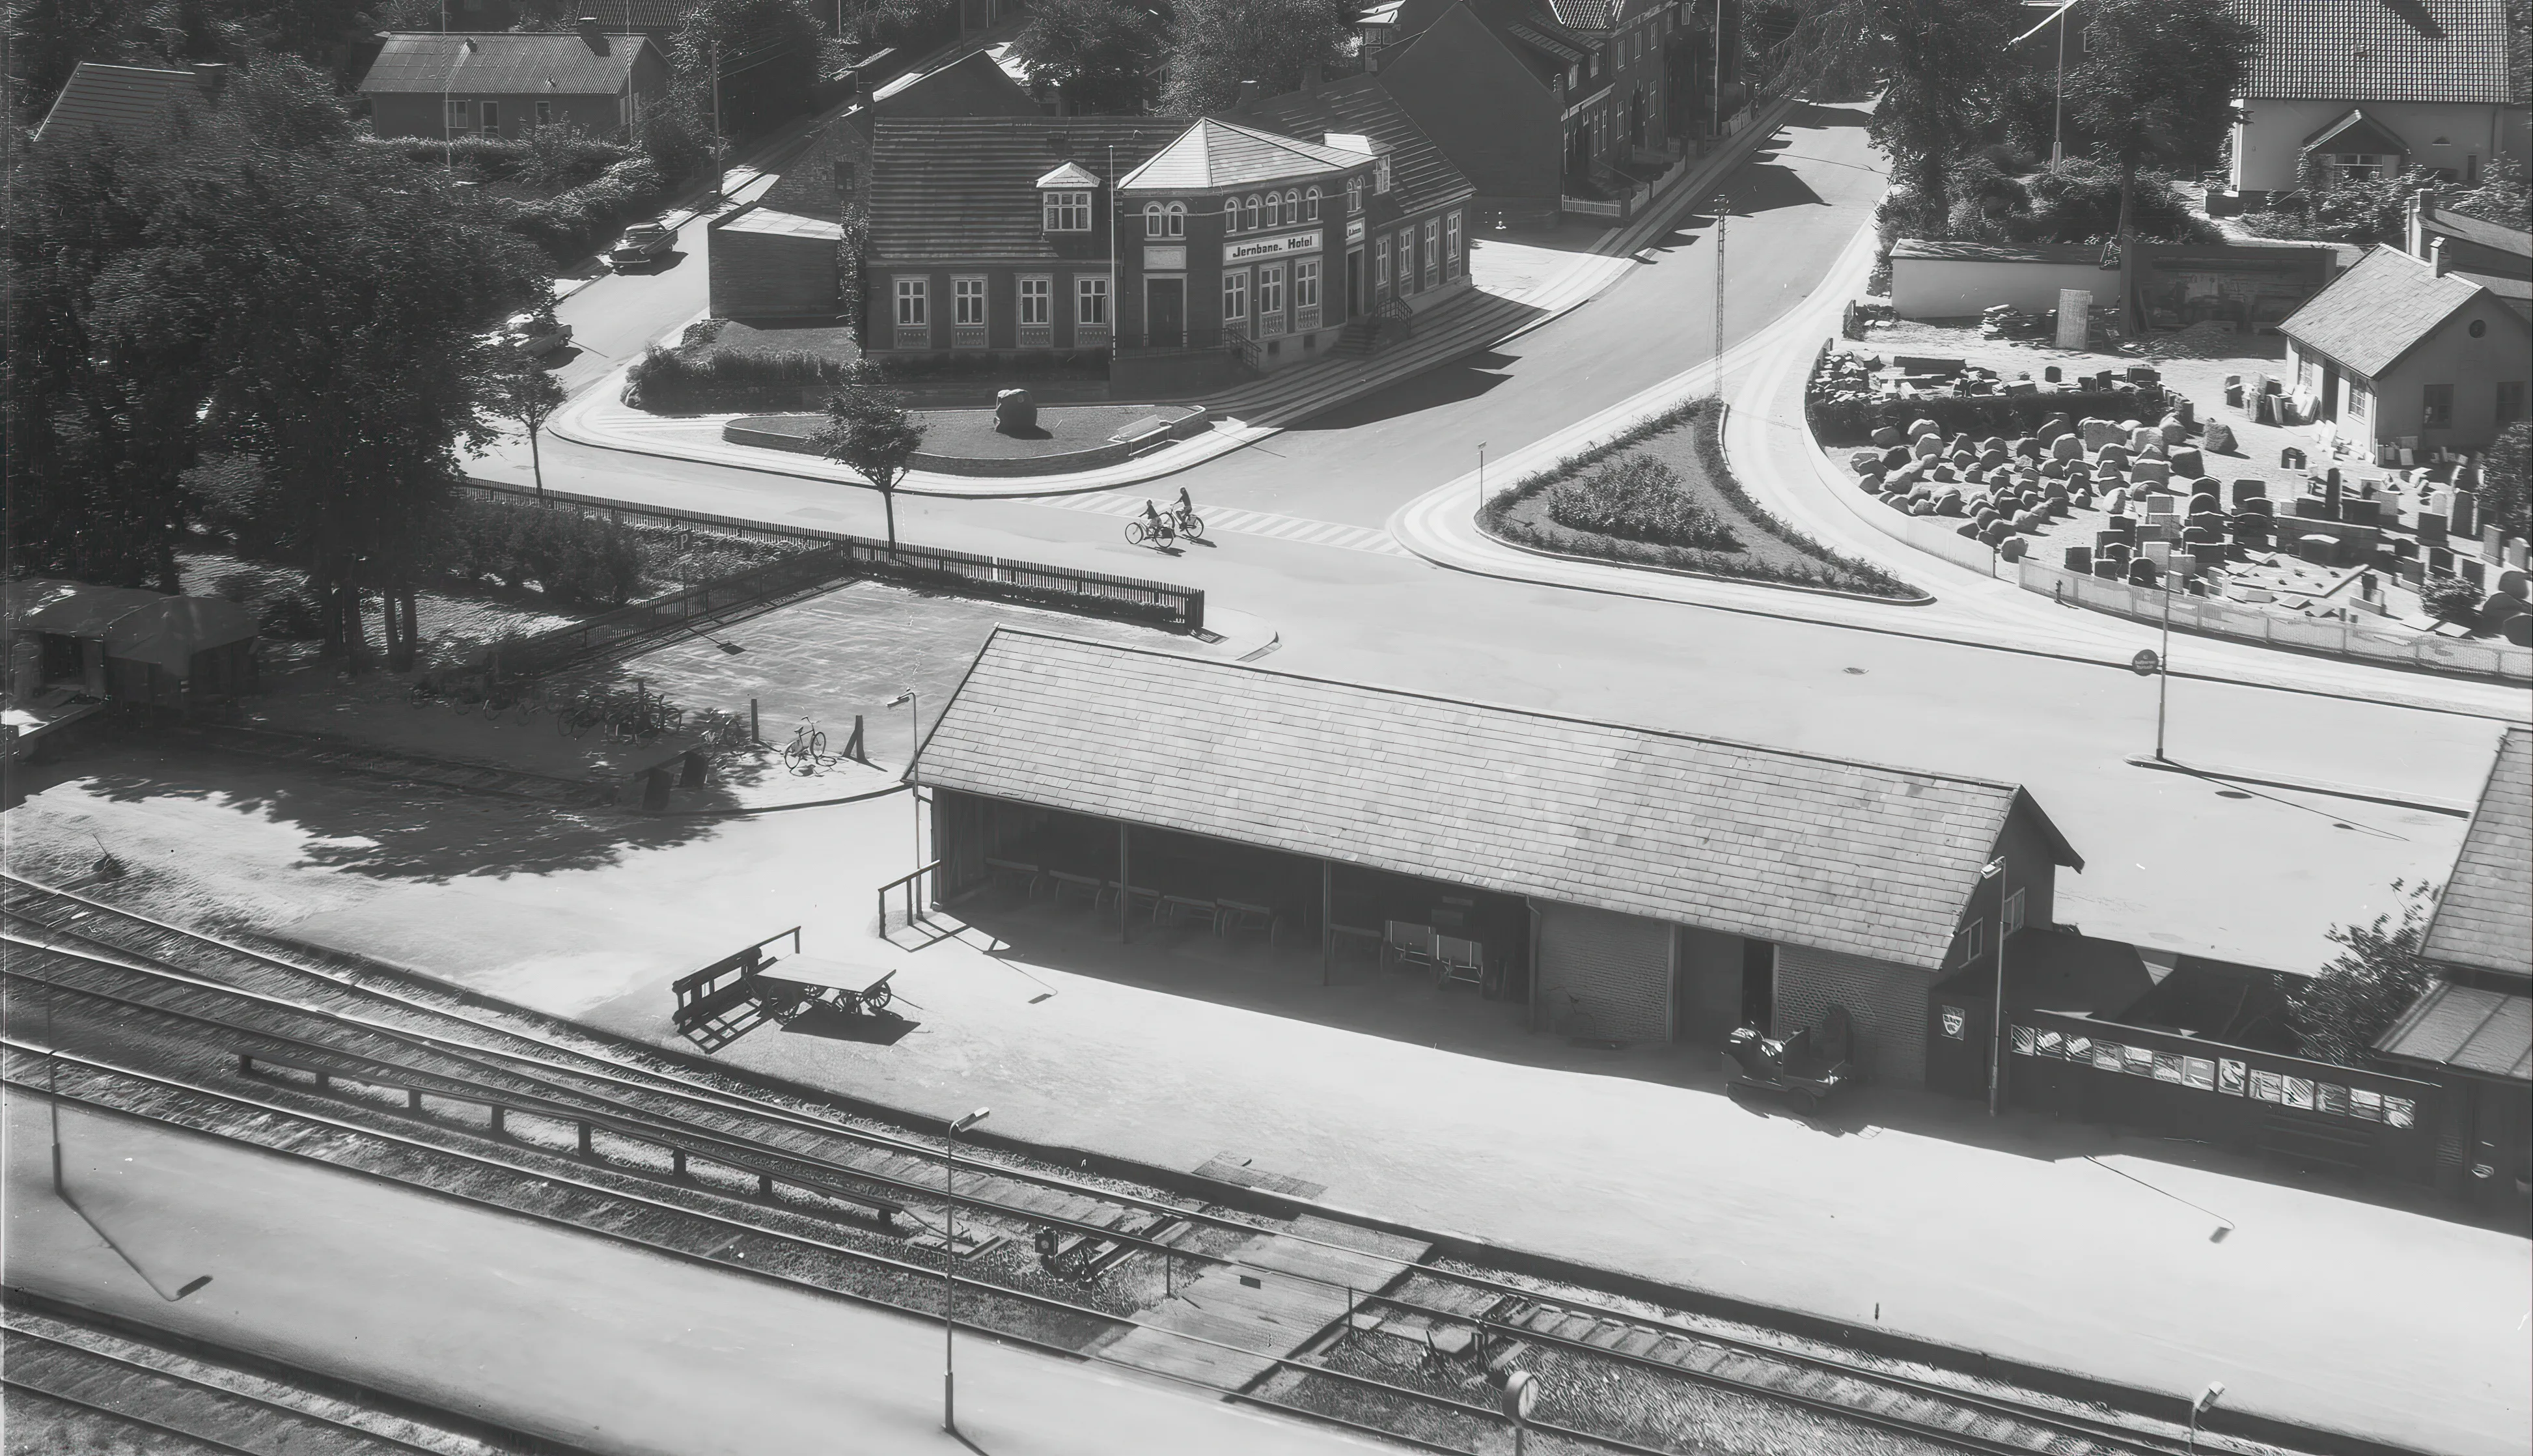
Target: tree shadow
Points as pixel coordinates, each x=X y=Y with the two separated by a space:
x=1828 y=114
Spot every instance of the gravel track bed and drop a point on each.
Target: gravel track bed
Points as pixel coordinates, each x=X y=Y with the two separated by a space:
x=40 y=1424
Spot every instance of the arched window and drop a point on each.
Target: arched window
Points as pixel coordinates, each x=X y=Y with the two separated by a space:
x=1293 y=206
x=1311 y=206
x=1275 y=210
x=1354 y=196
x=1174 y=220
x=1231 y=214
x=1153 y=223
x=1249 y=212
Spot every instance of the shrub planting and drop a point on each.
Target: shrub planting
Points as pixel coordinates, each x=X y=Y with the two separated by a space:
x=668 y=378
x=1640 y=499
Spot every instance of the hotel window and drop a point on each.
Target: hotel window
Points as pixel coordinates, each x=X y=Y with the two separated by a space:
x=1270 y=291
x=1306 y=283
x=1231 y=214
x=1275 y=210
x=1165 y=221
x=1235 y=296
x=1311 y=206
x=1090 y=301
x=913 y=297
x=1433 y=251
x=1293 y=206
x=1381 y=263
x=1407 y=260
x=2014 y=912
x=2436 y=407
x=1452 y=239
x=967 y=303
x=459 y=114
x=1249 y=212
x=1380 y=174
x=1354 y=197
x=1038 y=300
x=1067 y=211
x=1970 y=938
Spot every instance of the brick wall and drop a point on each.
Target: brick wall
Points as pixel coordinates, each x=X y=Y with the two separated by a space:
x=1707 y=1002
x=1885 y=1003
x=764 y=275
x=1620 y=964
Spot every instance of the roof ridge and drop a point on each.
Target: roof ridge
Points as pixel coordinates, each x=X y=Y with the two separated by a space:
x=1261 y=669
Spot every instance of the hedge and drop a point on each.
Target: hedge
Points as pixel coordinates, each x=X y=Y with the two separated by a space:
x=670 y=379
x=580 y=220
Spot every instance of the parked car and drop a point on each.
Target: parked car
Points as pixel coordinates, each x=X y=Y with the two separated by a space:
x=534 y=335
x=641 y=243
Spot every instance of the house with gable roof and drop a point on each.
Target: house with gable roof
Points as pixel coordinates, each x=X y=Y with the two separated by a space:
x=2367 y=89
x=130 y=103
x=2405 y=350
x=502 y=85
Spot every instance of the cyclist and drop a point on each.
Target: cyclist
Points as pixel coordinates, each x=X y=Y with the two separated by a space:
x=1184 y=510
x=1159 y=525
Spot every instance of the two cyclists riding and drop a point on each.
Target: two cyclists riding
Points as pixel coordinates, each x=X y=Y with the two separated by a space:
x=1158 y=530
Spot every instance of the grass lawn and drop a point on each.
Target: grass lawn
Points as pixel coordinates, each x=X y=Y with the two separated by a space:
x=1685 y=439
x=831 y=342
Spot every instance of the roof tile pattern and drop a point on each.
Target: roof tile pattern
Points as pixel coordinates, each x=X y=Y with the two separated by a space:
x=2485 y=917
x=129 y=102
x=504 y=64
x=1215 y=152
x=1845 y=856
x=1420 y=177
x=2379 y=310
x=2472 y=1029
x=952 y=188
x=2369 y=50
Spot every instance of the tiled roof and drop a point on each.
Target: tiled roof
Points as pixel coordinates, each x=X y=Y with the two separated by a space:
x=1420 y=177
x=1546 y=45
x=1823 y=852
x=2380 y=50
x=2379 y=310
x=1961 y=252
x=966 y=186
x=2471 y=1028
x=2479 y=232
x=1582 y=15
x=503 y=63
x=2354 y=131
x=2485 y=917
x=1215 y=152
x=130 y=102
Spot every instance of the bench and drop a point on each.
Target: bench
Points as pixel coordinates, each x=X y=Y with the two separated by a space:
x=1233 y=917
x=1172 y=909
x=1089 y=885
x=1340 y=934
x=1028 y=874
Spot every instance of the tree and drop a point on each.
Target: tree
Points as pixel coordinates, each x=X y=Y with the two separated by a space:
x=2337 y=1013
x=1220 y=43
x=2506 y=481
x=2079 y=200
x=765 y=54
x=526 y=392
x=1100 y=54
x=2500 y=196
x=869 y=429
x=2156 y=83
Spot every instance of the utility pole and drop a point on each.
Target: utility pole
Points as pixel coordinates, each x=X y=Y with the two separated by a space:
x=1721 y=205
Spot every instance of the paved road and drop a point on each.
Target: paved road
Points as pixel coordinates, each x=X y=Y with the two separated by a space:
x=565 y=1336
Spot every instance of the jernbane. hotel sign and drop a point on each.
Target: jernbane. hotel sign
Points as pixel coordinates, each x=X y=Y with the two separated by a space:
x=1250 y=250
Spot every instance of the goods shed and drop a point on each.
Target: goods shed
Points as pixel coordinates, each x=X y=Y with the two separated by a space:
x=1674 y=885
x=126 y=645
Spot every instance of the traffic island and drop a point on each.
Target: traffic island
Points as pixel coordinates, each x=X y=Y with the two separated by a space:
x=1064 y=439
x=1663 y=496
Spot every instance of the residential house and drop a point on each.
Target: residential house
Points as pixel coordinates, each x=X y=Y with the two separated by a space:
x=2364 y=88
x=2498 y=257
x=1538 y=100
x=131 y=103
x=1193 y=249
x=2473 y=1030
x=500 y=85
x=2401 y=351
x=1665 y=886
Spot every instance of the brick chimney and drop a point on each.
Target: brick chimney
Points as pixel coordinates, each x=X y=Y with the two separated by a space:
x=2423 y=206
x=588 y=26
x=1251 y=94
x=211 y=75
x=2436 y=256
x=1312 y=76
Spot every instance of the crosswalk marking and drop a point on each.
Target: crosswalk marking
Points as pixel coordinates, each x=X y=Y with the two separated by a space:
x=1239 y=522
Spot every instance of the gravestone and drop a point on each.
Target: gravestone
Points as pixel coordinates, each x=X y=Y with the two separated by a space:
x=2219 y=438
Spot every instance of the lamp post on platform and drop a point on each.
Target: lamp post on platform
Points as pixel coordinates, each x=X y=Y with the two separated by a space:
x=1720 y=203
x=915 y=724
x=1995 y=869
x=950 y=1264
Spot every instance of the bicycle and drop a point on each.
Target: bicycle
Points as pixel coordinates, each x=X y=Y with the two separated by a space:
x=574 y=715
x=1579 y=1023
x=1185 y=521
x=1156 y=534
x=806 y=753
x=426 y=690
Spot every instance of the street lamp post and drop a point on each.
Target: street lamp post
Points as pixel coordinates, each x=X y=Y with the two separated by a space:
x=915 y=724
x=1482 y=475
x=1995 y=869
x=1721 y=203
x=950 y=1263
x=2163 y=667
x=2058 y=103
x=2200 y=1407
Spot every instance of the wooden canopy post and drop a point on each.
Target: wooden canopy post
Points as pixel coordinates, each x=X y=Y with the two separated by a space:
x=1327 y=919
x=1124 y=878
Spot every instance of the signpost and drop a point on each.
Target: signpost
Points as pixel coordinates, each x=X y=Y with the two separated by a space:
x=1521 y=1397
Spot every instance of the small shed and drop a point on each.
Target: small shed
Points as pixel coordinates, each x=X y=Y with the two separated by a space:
x=127 y=645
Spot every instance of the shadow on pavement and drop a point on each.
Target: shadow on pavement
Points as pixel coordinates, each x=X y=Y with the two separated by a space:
x=1465 y=379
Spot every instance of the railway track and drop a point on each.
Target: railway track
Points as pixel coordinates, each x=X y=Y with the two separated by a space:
x=375 y=1053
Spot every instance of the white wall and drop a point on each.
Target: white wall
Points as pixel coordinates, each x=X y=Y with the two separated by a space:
x=2267 y=151
x=1958 y=288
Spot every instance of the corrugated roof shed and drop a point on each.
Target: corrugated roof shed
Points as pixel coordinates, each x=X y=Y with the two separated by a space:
x=71 y=609
x=2485 y=917
x=1846 y=856
x=129 y=102
x=2380 y=50
x=1420 y=175
x=504 y=64
x=2479 y=232
x=1949 y=249
x=954 y=188
x=1215 y=152
x=2379 y=310
x=2470 y=1029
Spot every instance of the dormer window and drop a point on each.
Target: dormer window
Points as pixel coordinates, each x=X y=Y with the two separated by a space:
x=1067 y=211
x=1380 y=174
x=1165 y=219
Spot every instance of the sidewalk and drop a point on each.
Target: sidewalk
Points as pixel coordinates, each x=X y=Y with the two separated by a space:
x=572 y=1337
x=2021 y=1237
x=1252 y=412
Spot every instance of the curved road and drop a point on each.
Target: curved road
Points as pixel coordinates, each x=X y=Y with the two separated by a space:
x=2064 y=727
